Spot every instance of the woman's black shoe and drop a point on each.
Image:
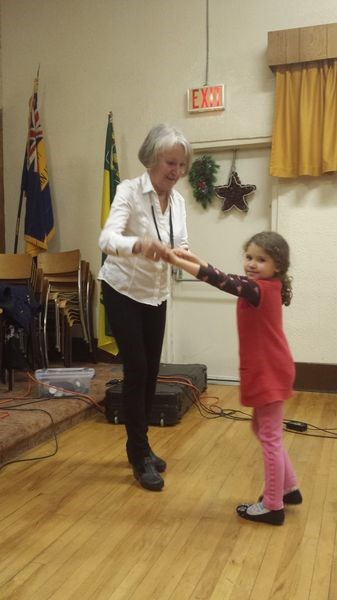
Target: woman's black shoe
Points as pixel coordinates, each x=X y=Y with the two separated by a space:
x=158 y=462
x=147 y=475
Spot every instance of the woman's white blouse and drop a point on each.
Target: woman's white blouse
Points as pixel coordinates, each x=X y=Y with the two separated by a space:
x=131 y=218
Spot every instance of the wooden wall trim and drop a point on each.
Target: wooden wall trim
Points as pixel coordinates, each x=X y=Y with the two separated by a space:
x=311 y=377
x=302 y=44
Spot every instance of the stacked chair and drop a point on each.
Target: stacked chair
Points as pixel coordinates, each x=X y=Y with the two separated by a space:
x=67 y=286
x=20 y=318
x=41 y=301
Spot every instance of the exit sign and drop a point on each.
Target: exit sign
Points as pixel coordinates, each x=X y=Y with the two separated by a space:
x=208 y=97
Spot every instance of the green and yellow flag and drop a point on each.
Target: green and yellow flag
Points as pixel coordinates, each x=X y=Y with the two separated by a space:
x=110 y=181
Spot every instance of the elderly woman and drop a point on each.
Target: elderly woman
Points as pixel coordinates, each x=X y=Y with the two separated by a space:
x=146 y=212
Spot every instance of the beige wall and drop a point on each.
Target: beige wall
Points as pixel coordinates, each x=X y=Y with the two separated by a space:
x=137 y=58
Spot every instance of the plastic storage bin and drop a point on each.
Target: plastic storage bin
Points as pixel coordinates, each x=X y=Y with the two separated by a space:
x=58 y=383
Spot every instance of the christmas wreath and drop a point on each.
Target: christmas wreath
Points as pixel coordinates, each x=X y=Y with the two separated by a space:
x=202 y=177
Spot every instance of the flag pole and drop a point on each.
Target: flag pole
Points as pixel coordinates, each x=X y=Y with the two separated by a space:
x=17 y=228
x=18 y=218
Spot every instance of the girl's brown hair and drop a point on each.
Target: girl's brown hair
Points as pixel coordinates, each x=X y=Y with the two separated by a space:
x=277 y=248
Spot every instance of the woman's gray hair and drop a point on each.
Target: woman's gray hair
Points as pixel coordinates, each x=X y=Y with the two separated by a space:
x=160 y=138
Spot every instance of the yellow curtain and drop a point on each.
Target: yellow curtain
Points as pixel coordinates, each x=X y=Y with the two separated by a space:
x=304 y=140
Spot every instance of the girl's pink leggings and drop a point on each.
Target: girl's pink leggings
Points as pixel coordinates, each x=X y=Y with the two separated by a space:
x=279 y=474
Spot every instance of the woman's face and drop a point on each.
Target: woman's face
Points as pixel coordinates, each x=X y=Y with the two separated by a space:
x=170 y=166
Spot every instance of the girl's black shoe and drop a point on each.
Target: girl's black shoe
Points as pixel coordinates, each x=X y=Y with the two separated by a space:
x=147 y=475
x=294 y=497
x=261 y=515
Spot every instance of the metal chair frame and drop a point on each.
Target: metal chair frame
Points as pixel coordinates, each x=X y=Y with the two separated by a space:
x=67 y=276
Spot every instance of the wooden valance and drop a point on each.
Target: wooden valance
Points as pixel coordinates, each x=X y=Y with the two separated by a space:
x=302 y=44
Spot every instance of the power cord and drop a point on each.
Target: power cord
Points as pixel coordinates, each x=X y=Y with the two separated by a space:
x=24 y=400
x=302 y=428
x=17 y=460
x=207 y=411
x=214 y=411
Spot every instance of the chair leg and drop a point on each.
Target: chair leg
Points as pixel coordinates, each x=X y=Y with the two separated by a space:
x=10 y=377
x=34 y=347
x=89 y=310
x=2 y=348
x=45 y=341
x=67 y=343
x=42 y=346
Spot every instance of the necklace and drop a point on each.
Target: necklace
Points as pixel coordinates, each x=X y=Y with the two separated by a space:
x=156 y=226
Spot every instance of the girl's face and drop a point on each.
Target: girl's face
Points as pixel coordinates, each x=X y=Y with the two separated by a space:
x=170 y=166
x=258 y=264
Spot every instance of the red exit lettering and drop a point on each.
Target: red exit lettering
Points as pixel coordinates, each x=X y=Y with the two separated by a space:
x=206 y=98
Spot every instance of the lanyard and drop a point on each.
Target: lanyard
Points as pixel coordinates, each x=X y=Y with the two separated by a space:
x=156 y=226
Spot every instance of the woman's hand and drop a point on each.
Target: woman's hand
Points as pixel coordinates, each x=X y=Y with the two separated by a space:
x=152 y=249
x=174 y=255
x=186 y=255
x=169 y=256
x=184 y=259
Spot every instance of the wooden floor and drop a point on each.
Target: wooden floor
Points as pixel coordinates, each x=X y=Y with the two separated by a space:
x=77 y=526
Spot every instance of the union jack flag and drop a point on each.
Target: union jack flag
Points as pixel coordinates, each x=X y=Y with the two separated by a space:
x=39 y=220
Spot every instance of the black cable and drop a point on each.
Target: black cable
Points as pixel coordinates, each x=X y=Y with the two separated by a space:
x=69 y=394
x=34 y=400
x=10 y=462
x=331 y=437
x=327 y=429
x=219 y=412
x=239 y=415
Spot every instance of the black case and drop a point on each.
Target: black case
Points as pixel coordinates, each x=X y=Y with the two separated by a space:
x=171 y=401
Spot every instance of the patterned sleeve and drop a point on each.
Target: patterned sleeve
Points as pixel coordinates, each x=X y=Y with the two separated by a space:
x=232 y=284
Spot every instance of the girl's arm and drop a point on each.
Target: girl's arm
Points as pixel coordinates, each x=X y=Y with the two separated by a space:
x=237 y=285
x=185 y=260
x=232 y=284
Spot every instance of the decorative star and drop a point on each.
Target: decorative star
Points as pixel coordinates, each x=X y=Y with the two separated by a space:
x=234 y=193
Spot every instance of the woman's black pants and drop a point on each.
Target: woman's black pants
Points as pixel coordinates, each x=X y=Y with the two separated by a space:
x=139 y=332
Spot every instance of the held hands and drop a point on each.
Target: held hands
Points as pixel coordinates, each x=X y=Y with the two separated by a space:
x=184 y=259
x=174 y=255
x=149 y=248
x=181 y=253
x=155 y=250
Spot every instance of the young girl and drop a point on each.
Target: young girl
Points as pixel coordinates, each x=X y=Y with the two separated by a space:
x=266 y=365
